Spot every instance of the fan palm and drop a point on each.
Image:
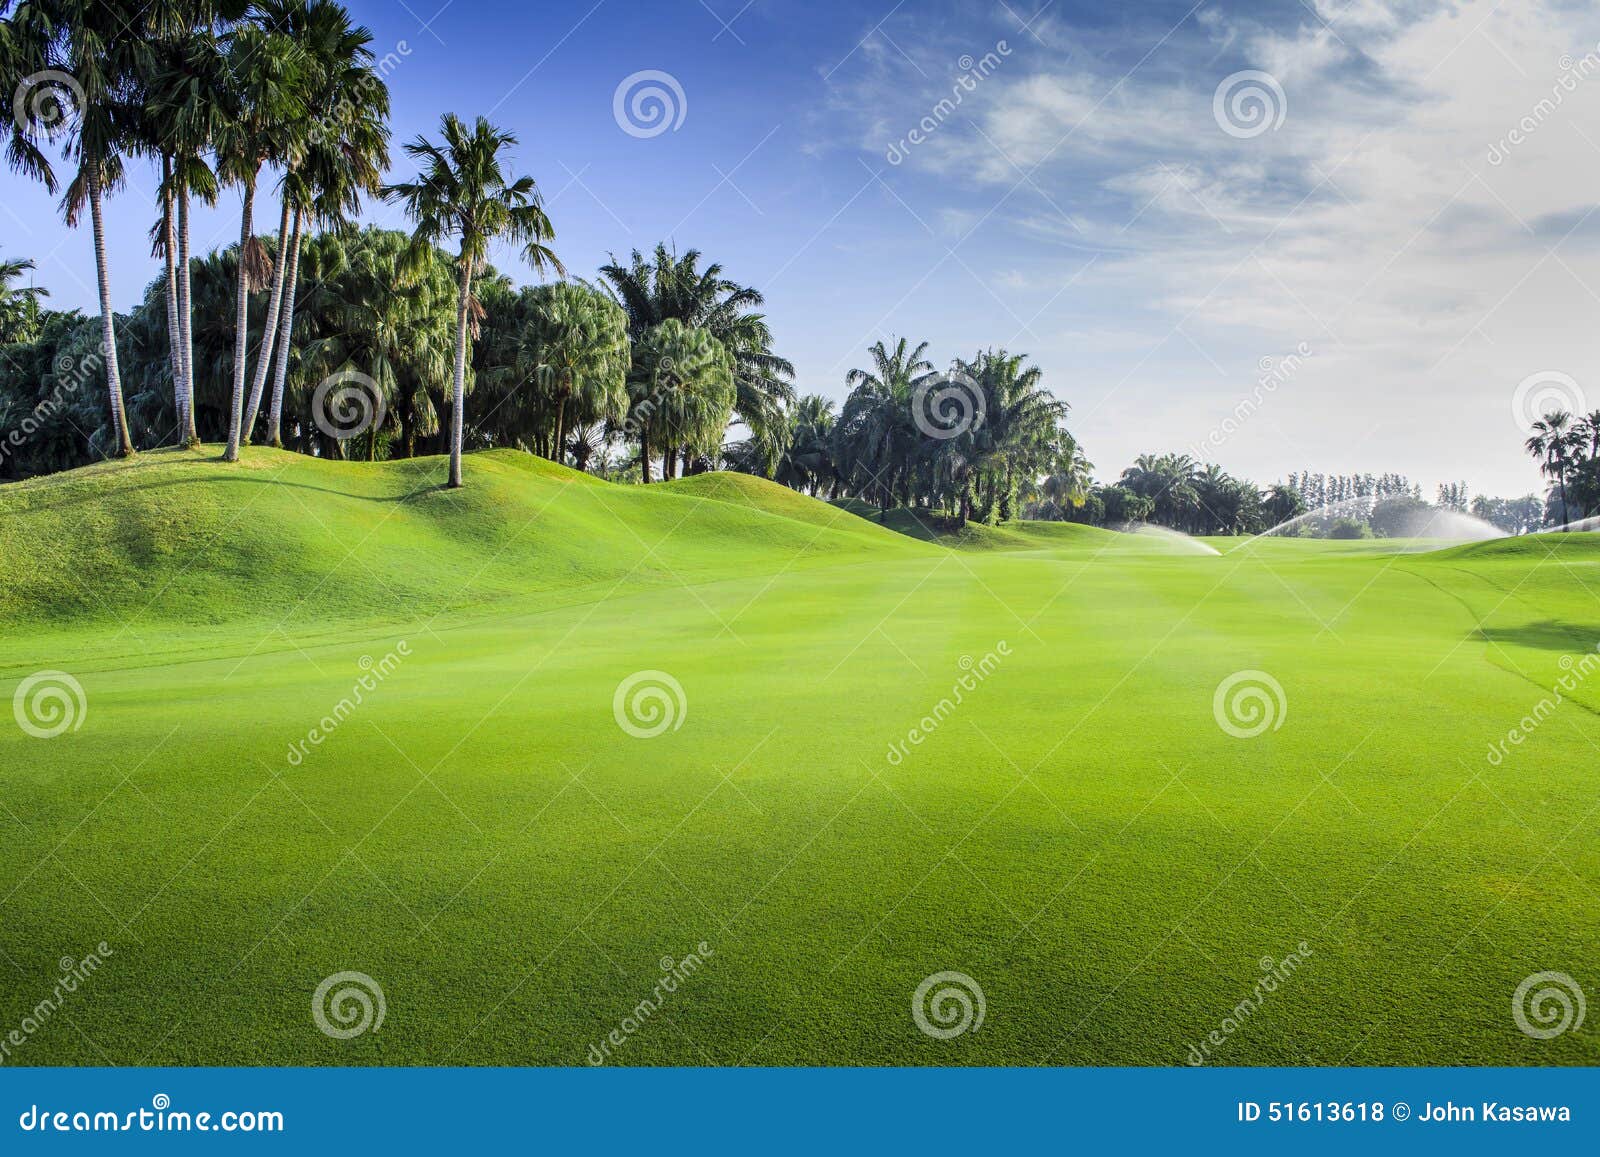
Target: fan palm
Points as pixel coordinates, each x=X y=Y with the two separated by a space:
x=575 y=346
x=463 y=191
x=681 y=393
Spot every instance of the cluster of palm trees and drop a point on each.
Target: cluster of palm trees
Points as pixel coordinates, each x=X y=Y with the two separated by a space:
x=962 y=444
x=1176 y=491
x=1567 y=448
x=225 y=94
x=217 y=93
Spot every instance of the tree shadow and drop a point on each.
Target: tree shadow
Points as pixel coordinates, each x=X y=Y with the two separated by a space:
x=1549 y=635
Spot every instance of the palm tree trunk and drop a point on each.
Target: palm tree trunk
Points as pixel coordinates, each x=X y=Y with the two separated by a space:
x=458 y=389
x=285 y=332
x=191 y=436
x=108 y=327
x=241 y=325
x=169 y=245
x=644 y=455
x=561 y=427
x=269 y=330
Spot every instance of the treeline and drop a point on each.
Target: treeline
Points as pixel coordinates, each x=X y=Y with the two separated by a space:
x=656 y=359
x=966 y=443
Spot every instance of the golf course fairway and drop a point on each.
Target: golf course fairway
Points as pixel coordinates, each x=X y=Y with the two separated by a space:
x=592 y=732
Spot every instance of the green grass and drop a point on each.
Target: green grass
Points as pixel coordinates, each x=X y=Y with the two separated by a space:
x=482 y=837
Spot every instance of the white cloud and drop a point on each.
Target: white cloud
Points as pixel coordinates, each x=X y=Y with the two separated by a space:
x=1371 y=224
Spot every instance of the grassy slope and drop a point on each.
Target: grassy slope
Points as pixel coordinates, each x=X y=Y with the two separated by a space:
x=112 y=555
x=482 y=838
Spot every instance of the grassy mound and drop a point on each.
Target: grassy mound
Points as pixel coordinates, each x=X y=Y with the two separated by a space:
x=181 y=537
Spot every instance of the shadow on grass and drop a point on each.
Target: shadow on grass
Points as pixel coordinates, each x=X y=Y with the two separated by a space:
x=1549 y=635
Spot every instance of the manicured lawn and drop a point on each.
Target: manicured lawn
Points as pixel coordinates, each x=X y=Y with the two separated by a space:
x=481 y=837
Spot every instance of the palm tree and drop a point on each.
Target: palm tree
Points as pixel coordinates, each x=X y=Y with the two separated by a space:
x=266 y=72
x=876 y=438
x=575 y=346
x=463 y=191
x=1554 y=438
x=103 y=47
x=682 y=393
x=805 y=461
x=185 y=105
x=19 y=305
x=344 y=150
x=671 y=287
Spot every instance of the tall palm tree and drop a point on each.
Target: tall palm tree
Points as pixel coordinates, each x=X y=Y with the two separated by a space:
x=464 y=192
x=104 y=47
x=667 y=286
x=267 y=104
x=344 y=150
x=1553 y=440
x=185 y=105
x=575 y=347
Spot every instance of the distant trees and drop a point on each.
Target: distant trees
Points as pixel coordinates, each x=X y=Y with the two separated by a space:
x=19 y=304
x=1567 y=448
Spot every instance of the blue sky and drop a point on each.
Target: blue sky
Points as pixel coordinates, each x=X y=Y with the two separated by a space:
x=1379 y=252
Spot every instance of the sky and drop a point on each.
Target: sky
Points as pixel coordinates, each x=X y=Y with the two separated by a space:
x=1280 y=235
